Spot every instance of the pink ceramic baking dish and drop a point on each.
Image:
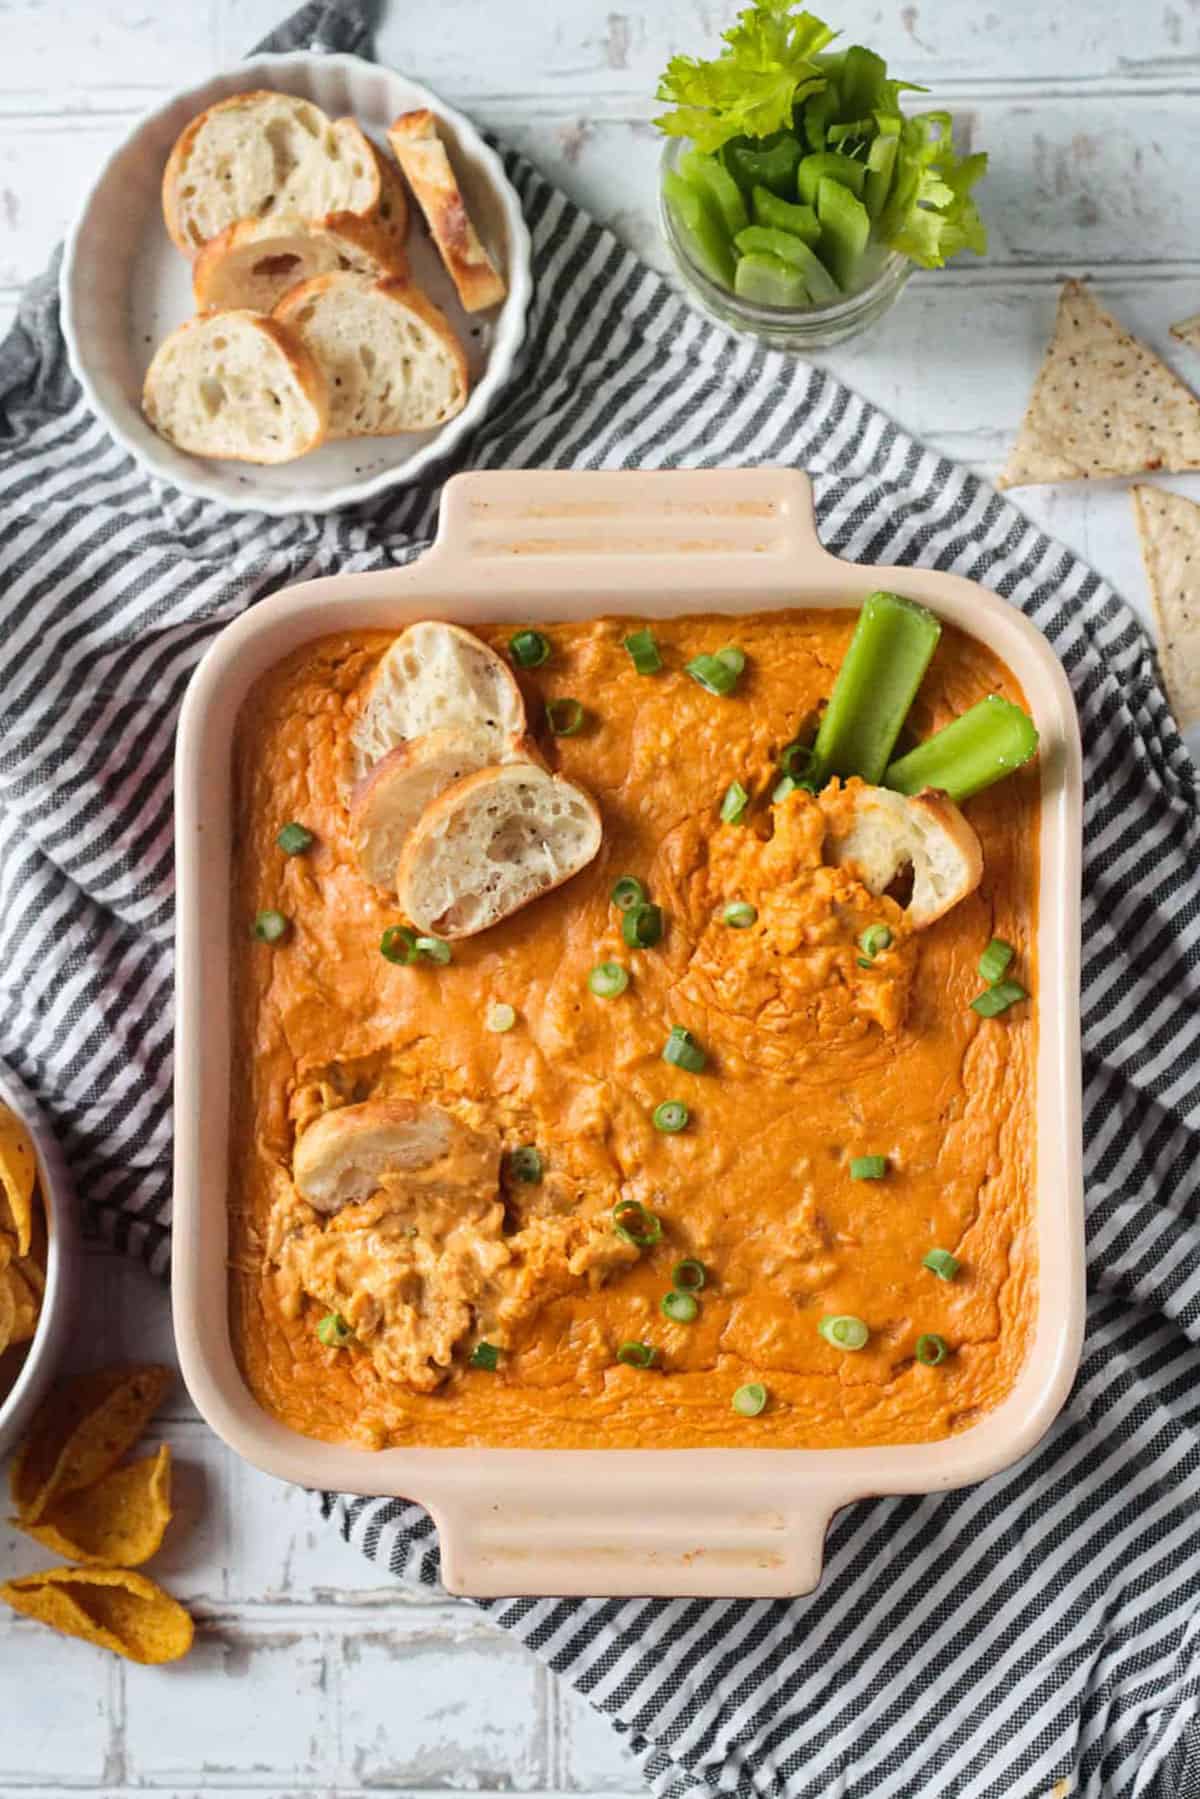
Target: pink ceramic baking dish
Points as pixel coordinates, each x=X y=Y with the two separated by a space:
x=574 y=545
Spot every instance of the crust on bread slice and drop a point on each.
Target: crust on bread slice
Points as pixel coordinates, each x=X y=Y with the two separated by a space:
x=392 y=362
x=419 y=150
x=492 y=843
x=255 y=262
x=387 y=803
x=434 y=677
x=236 y=386
x=350 y=1153
x=886 y=832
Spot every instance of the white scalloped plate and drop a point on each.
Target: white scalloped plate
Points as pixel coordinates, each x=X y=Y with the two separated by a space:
x=124 y=286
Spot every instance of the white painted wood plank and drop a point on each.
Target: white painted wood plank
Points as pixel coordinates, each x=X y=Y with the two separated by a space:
x=449 y=1703
x=77 y=49
x=62 y=1706
x=590 y=1755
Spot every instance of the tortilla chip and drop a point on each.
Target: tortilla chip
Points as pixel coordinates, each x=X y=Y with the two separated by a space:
x=119 y=1522
x=19 y=1277
x=18 y=1173
x=8 y=1313
x=1188 y=331
x=81 y=1430
x=1169 y=527
x=1103 y=404
x=111 y=1607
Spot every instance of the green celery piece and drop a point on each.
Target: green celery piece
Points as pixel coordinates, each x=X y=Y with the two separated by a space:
x=862 y=81
x=822 y=288
x=780 y=215
x=818 y=112
x=770 y=281
x=837 y=135
x=704 y=237
x=881 y=163
x=771 y=163
x=828 y=165
x=711 y=177
x=845 y=229
x=876 y=684
x=981 y=746
x=764 y=240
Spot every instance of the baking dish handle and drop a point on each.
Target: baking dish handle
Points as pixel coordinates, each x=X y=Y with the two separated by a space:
x=512 y=527
x=731 y=1537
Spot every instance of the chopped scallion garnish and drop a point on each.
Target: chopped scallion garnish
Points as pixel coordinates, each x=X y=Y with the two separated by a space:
x=485 y=1355
x=500 y=1018
x=643 y=651
x=932 y=1349
x=608 y=979
x=637 y=1355
x=399 y=944
x=682 y=1051
x=874 y=939
x=529 y=649
x=844 y=1330
x=740 y=915
x=733 y=806
x=333 y=1331
x=868 y=1168
x=997 y=999
x=433 y=950
x=995 y=960
x=680 y=1308
x=941 y=1263
x=271 y=927
x=525 y=1164
x=564 y=717
x=750 y=1400
x=717 y=674
x=642 y=927
x=294 y=839
x=635 y=1223
x=689 y=1276
x=628 y=894
x=799 y=761
x=784 y=785
x=670 y=1117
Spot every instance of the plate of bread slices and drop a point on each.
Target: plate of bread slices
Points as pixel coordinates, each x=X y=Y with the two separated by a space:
x=296 y=285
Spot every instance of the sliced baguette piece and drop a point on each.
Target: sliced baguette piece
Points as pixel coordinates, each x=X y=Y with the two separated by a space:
x=422 y=155
x=349 y=1153
x=492 y=843
x=387 y=802
x=238 y=386
x=392 y=362
x=928 y=833
x=433 y=677
x=389 y=207
x=255 y=262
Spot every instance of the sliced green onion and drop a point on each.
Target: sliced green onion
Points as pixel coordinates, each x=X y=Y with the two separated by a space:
x=750 y=1400
x=637 y=1355
x=876 y=937
x=333 y=1331
x=525 y=1164
x=799 y=760
x=844 y=1330
x=294 y=839
x=399 y=944
x=981 y=746
x=269 y=927
x=713 y=674
x=941 y=1263
x=876 y=684
x=433 y=950
x=932 y=1349
x=485 y=1355
x=529 y=649
x=628 y=893
x=864 y=961
x=635 y=1223
x=689 y=1276
x=671 y=1116
x=500 y=1018
x=994 y=960
x=868 y=1168
x=733 y=806
x=682 y=1051
x=642 y=927
x=787 y=784
x=680 y=1308
x=564 y=717
x=643 y=651
x=740 y=915
x=733 y=658
x=608 y=979
x=998 y=999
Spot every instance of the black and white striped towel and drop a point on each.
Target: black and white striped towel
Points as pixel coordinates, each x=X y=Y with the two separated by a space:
x=1042 y=1626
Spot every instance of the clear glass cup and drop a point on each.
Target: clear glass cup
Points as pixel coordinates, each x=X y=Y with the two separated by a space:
x=801 y=328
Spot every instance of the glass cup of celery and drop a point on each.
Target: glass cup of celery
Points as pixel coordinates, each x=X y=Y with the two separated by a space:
x=796 y=198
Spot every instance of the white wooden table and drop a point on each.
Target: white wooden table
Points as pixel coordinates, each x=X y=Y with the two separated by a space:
x=311 y=1674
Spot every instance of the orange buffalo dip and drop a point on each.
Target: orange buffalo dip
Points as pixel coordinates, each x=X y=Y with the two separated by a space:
x=813 y=1062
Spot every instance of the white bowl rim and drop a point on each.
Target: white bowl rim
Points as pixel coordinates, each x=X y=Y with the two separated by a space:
x=509 y=335
x=58 y=1200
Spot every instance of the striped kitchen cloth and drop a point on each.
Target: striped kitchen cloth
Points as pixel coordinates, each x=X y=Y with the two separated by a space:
x=1042 y=1627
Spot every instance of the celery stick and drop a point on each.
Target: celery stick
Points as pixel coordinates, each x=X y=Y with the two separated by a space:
x=703 y=235
x=881 y=164
x=981 y=746
x=769 y=162
x=769 y=281
x=713 y=178
x=845 y=229
x=780 y=215
x=875 y=687
x=762 y=240
x=827 y=165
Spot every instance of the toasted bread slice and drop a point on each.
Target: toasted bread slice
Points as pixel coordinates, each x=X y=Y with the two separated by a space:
x=422 y=155
x=392 y=362
x=433 y=677
x=263 y=153
x=352 y=1152
x=490 y=844
x=927 y=833
x=256 y=262
x=387 y=803
x=238 y=386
